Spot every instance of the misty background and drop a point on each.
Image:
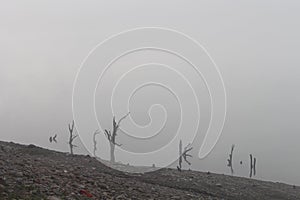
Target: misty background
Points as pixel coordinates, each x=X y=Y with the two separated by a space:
x=255 y=44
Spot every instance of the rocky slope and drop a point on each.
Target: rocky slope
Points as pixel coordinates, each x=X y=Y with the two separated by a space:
x=30 y=172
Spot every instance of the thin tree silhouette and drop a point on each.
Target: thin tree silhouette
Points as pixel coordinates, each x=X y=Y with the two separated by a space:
x=95 y=142
x=230 y=159
x=111 y=136
x=252 y=166
x=72 y=137
x=183 y=155
x=53 y=139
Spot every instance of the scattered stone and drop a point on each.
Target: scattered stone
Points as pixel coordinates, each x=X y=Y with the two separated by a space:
x=43 y=174
x=219 y=185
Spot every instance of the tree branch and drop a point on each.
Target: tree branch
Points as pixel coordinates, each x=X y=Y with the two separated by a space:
x=119 y=122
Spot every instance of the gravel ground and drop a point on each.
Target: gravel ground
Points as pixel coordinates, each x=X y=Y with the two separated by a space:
x=30 y=172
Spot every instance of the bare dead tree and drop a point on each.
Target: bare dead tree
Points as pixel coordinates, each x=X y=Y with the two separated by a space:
x=72 y=136
x=229 y=160
x=53 y=139
x=95 y=142
x=252 y=166
x=183 y=155
x=180 y=156
x=111 y=136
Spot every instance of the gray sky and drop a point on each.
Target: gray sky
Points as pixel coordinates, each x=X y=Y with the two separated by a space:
x=254 y=43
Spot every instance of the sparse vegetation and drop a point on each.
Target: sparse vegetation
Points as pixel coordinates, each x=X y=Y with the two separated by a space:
x=111 y=136
x=72 y=137
x=95 y=142
x=252 y=166
x=230 y=159
x=31 y=172
x=183 y=155
x=53 y=139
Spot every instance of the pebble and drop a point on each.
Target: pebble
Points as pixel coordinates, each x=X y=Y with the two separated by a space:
x=219 y=185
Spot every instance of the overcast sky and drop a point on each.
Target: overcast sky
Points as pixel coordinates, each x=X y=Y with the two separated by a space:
x=254 y=43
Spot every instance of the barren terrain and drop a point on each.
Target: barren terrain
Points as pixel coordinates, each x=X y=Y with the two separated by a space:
x=31 y=172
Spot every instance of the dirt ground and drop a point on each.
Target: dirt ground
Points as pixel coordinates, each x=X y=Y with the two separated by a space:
x=30 y=172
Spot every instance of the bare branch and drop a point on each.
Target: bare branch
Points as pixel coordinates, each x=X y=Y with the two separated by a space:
x=111 y=136
x=230 y=159
x=107 y=134
x=71 y=126
x=187 y=162
x=72 y=137
x=187 y=150
x=184 y=155
x=54 y=138
x=117 y=144
x=119 y=122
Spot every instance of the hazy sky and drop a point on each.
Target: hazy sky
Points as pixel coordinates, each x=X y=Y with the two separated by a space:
x=255 y=44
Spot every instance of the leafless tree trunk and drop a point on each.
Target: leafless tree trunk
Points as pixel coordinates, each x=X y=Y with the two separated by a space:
x=183 y=155
x=252 y=166
x=95 y=141
x=112 y=153
x=180 y=156
x=72 y=137
x=230 y=159
x=112 y=137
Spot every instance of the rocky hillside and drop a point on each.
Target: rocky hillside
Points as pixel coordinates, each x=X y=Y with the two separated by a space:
x=30 y=172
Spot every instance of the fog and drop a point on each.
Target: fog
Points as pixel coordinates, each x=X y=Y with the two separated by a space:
x=255 y=45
